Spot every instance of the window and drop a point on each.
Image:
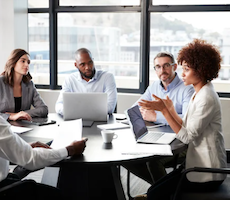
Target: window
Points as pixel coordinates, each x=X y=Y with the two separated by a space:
x=98 y=3
x=39 y=47
x=109 y=36
x=171 y=31
x=123 y=35
x=38 y=3
x=189 y=2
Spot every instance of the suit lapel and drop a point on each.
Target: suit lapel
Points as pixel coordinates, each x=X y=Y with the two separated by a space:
x=25 y=94
x=11 y=102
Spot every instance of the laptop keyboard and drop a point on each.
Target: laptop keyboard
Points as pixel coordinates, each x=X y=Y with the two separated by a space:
x=151 y=136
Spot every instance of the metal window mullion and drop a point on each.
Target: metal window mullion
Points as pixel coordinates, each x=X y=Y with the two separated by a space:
x=98 y=9
x=53 y=43
x=38 y=10
x=189 y=8
x=224 y=94
x=144 y=45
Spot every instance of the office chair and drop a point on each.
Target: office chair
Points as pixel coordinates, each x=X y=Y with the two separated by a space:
x=29 y=189
x=222 y=193
x=22 y=190
x=173 y=164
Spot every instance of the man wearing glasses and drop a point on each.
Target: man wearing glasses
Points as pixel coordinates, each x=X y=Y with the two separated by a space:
x=169 y=84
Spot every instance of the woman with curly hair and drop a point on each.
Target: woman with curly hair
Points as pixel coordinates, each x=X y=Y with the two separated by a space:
x=201 y=126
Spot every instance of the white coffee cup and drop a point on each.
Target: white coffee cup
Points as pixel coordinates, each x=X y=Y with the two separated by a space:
x=108 y=136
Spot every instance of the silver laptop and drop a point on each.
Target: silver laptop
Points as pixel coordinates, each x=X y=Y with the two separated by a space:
x=88 y=106
x=140 y=131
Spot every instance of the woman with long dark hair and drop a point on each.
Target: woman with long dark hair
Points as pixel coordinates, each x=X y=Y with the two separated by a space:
x=17 y=91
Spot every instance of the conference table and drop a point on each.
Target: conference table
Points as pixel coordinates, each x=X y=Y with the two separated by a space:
x=96 y=173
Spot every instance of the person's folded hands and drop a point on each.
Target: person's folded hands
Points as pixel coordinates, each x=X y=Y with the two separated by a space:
x=20 y=115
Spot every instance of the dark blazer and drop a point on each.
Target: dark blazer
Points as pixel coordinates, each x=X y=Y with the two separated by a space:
x=30 y=96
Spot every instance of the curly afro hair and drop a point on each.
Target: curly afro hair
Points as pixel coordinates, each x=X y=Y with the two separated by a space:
x=202 y=57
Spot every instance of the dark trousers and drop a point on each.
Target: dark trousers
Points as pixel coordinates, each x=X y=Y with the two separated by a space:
x=13 y=187
x=166 y=187
x=154 y=169
x=11 y=178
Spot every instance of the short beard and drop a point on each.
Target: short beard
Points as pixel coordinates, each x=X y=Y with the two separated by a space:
x=89 y=77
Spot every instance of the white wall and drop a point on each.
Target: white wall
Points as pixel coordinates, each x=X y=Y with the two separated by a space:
x=6 y=30
x=225 y=106
x=13 y=28
x=21 y=24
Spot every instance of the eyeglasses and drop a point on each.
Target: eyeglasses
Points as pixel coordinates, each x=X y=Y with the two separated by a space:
x=165 y=66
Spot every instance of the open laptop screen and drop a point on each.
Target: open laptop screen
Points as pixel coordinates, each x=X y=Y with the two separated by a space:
x=88 y=106
x=136 y=121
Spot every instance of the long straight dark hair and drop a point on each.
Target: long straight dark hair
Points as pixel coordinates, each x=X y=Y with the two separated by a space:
x=8 y=72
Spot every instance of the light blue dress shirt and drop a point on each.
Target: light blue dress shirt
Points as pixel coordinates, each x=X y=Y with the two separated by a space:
x=101 y=82
x=176 y=91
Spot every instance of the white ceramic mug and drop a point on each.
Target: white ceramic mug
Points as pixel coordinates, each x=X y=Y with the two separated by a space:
x=108 y=136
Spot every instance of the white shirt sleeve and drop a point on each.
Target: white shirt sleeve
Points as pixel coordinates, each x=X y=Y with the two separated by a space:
x=16 y=150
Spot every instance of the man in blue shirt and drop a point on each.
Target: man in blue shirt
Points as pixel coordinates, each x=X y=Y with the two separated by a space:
x=169 y=84
x=88 y=79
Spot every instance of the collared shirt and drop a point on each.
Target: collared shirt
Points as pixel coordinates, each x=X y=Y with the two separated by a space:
x=16 y=150
x=202 y=131
x=176 y=91
x=101 y=82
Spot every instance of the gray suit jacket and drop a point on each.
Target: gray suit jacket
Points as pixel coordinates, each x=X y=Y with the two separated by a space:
x=30 y=96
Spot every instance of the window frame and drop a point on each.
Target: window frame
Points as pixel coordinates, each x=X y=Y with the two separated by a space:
x=145 y=8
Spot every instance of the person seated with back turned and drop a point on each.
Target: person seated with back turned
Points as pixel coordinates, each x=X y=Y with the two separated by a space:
x=169 y=84
x=88 y=79
x=17 y=91
x=201 y=126
x=32 y=157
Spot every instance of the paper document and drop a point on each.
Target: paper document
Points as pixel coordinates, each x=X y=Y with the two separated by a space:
x=113 y=126
x=19 y=130
x=147 y=149
x=68 y=131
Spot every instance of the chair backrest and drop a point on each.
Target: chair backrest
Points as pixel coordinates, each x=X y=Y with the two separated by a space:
x=29 y=189
x=25 y=189
x=221 y=193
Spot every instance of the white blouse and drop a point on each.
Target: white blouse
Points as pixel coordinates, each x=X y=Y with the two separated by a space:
x=16 y=150
x=202 y=131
